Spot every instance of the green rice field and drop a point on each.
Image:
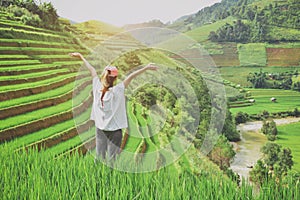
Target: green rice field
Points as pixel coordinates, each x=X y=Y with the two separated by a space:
x=287 y=100
x=289 y=136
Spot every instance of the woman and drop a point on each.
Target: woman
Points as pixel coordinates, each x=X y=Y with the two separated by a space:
x=108 y=110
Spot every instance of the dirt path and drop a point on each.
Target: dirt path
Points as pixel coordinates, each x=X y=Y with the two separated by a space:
x=248 y=149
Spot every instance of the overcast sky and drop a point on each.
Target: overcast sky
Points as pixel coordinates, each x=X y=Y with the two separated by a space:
x=121 y=12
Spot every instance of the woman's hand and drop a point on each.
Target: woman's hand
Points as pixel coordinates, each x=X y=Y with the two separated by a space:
x=151 y=66
x=75 y=54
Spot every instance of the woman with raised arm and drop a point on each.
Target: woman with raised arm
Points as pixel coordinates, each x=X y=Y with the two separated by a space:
x=109 y=108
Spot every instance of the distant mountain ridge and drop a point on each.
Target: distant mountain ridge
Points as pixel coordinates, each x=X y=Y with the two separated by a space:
x=152 y=23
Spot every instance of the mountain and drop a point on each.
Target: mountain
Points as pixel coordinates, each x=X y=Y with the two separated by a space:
x=265 y=12
x=152 y=23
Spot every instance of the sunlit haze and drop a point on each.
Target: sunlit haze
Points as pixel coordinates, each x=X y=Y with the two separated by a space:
x=121 y=12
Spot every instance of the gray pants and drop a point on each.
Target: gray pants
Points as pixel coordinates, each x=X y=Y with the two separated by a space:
x=108 y=144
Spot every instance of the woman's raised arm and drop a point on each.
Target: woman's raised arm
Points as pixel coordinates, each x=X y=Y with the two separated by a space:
x=87 y=64
x=150 y=66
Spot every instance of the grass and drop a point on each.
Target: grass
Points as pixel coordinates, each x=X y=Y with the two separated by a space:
x=252 y=54
x=134 y=135
x=287 y=100
x=41 y=96
x=239 y=75
x=37 y=84
x=36 y=49
x=43 y=113
x=33 y=75
x=25 y=32
x=15 y=24
x=17 y=56
x=201 y=34
x=27 y=42
x=284 y=45
x=77 y=177
x=18 y=62
x=71 y=143
x=289 y=136
x=49 y=132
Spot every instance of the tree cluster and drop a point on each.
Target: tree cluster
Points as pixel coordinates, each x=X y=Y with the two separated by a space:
x=269 y=128
x=276 y=163
x=42 y=15
x=238 y=32
x=257 y=29
x=281 y=80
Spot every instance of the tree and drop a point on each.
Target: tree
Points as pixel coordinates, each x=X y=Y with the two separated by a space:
x=241 y=117
x=269 y=128
x=259 y=174
x=285 y=162
x=258 y=79
x=276 y=164
x=222 y=153
x=229 y=129
x=132 y=60
x=270 y=151
x=296 y=86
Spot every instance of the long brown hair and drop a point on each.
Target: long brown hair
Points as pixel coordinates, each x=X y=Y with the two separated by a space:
x=107 y=82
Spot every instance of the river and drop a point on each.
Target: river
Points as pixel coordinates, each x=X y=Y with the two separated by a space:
x=248 y=149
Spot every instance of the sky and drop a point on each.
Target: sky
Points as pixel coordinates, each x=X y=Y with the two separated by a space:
x=122 y=12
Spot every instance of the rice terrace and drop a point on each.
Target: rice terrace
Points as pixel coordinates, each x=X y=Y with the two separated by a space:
x=249 y=48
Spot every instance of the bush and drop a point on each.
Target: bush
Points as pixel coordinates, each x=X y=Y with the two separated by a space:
x=241 y=117
x=271 y=137
x=269 y=128
x=31 y=19
x=17 y=11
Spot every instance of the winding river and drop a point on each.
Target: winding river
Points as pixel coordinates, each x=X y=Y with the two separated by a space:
x=248 y=149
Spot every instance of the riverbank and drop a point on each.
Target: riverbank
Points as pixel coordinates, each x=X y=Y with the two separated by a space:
x=248 y=149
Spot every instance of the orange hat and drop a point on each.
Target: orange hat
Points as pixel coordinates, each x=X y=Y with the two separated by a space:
x=113 y=70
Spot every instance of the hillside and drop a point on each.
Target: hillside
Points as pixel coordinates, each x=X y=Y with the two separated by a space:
x=153 y=23
x=45 y=106
x=41 y=108
x=280 y=13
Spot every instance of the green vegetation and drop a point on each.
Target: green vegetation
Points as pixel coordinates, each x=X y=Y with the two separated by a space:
x=201 y=34
x=238 y=75
x=275 y=165
x=286 y=101
x=28 y=12
x=269 y=128
x=288 y=136
x=39 y=169
x=33 y=58
x=252 y=54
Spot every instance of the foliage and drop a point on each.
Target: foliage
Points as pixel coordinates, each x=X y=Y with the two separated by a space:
x=260 y=22
x=270 y=151
x=277 y=80
x=259 y=174
x=285 y=162
x=258 y=79
x=239 y=32
x=222 y=153
x=41 y=15
x=276 y=163
x=241 y=117
x=269 y=128
x=229 y=129
x=132 y=60
x=296 y=86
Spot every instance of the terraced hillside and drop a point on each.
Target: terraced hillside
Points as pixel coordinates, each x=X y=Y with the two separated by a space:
x=37 y=86
x=95 y=33
x=38 y=98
